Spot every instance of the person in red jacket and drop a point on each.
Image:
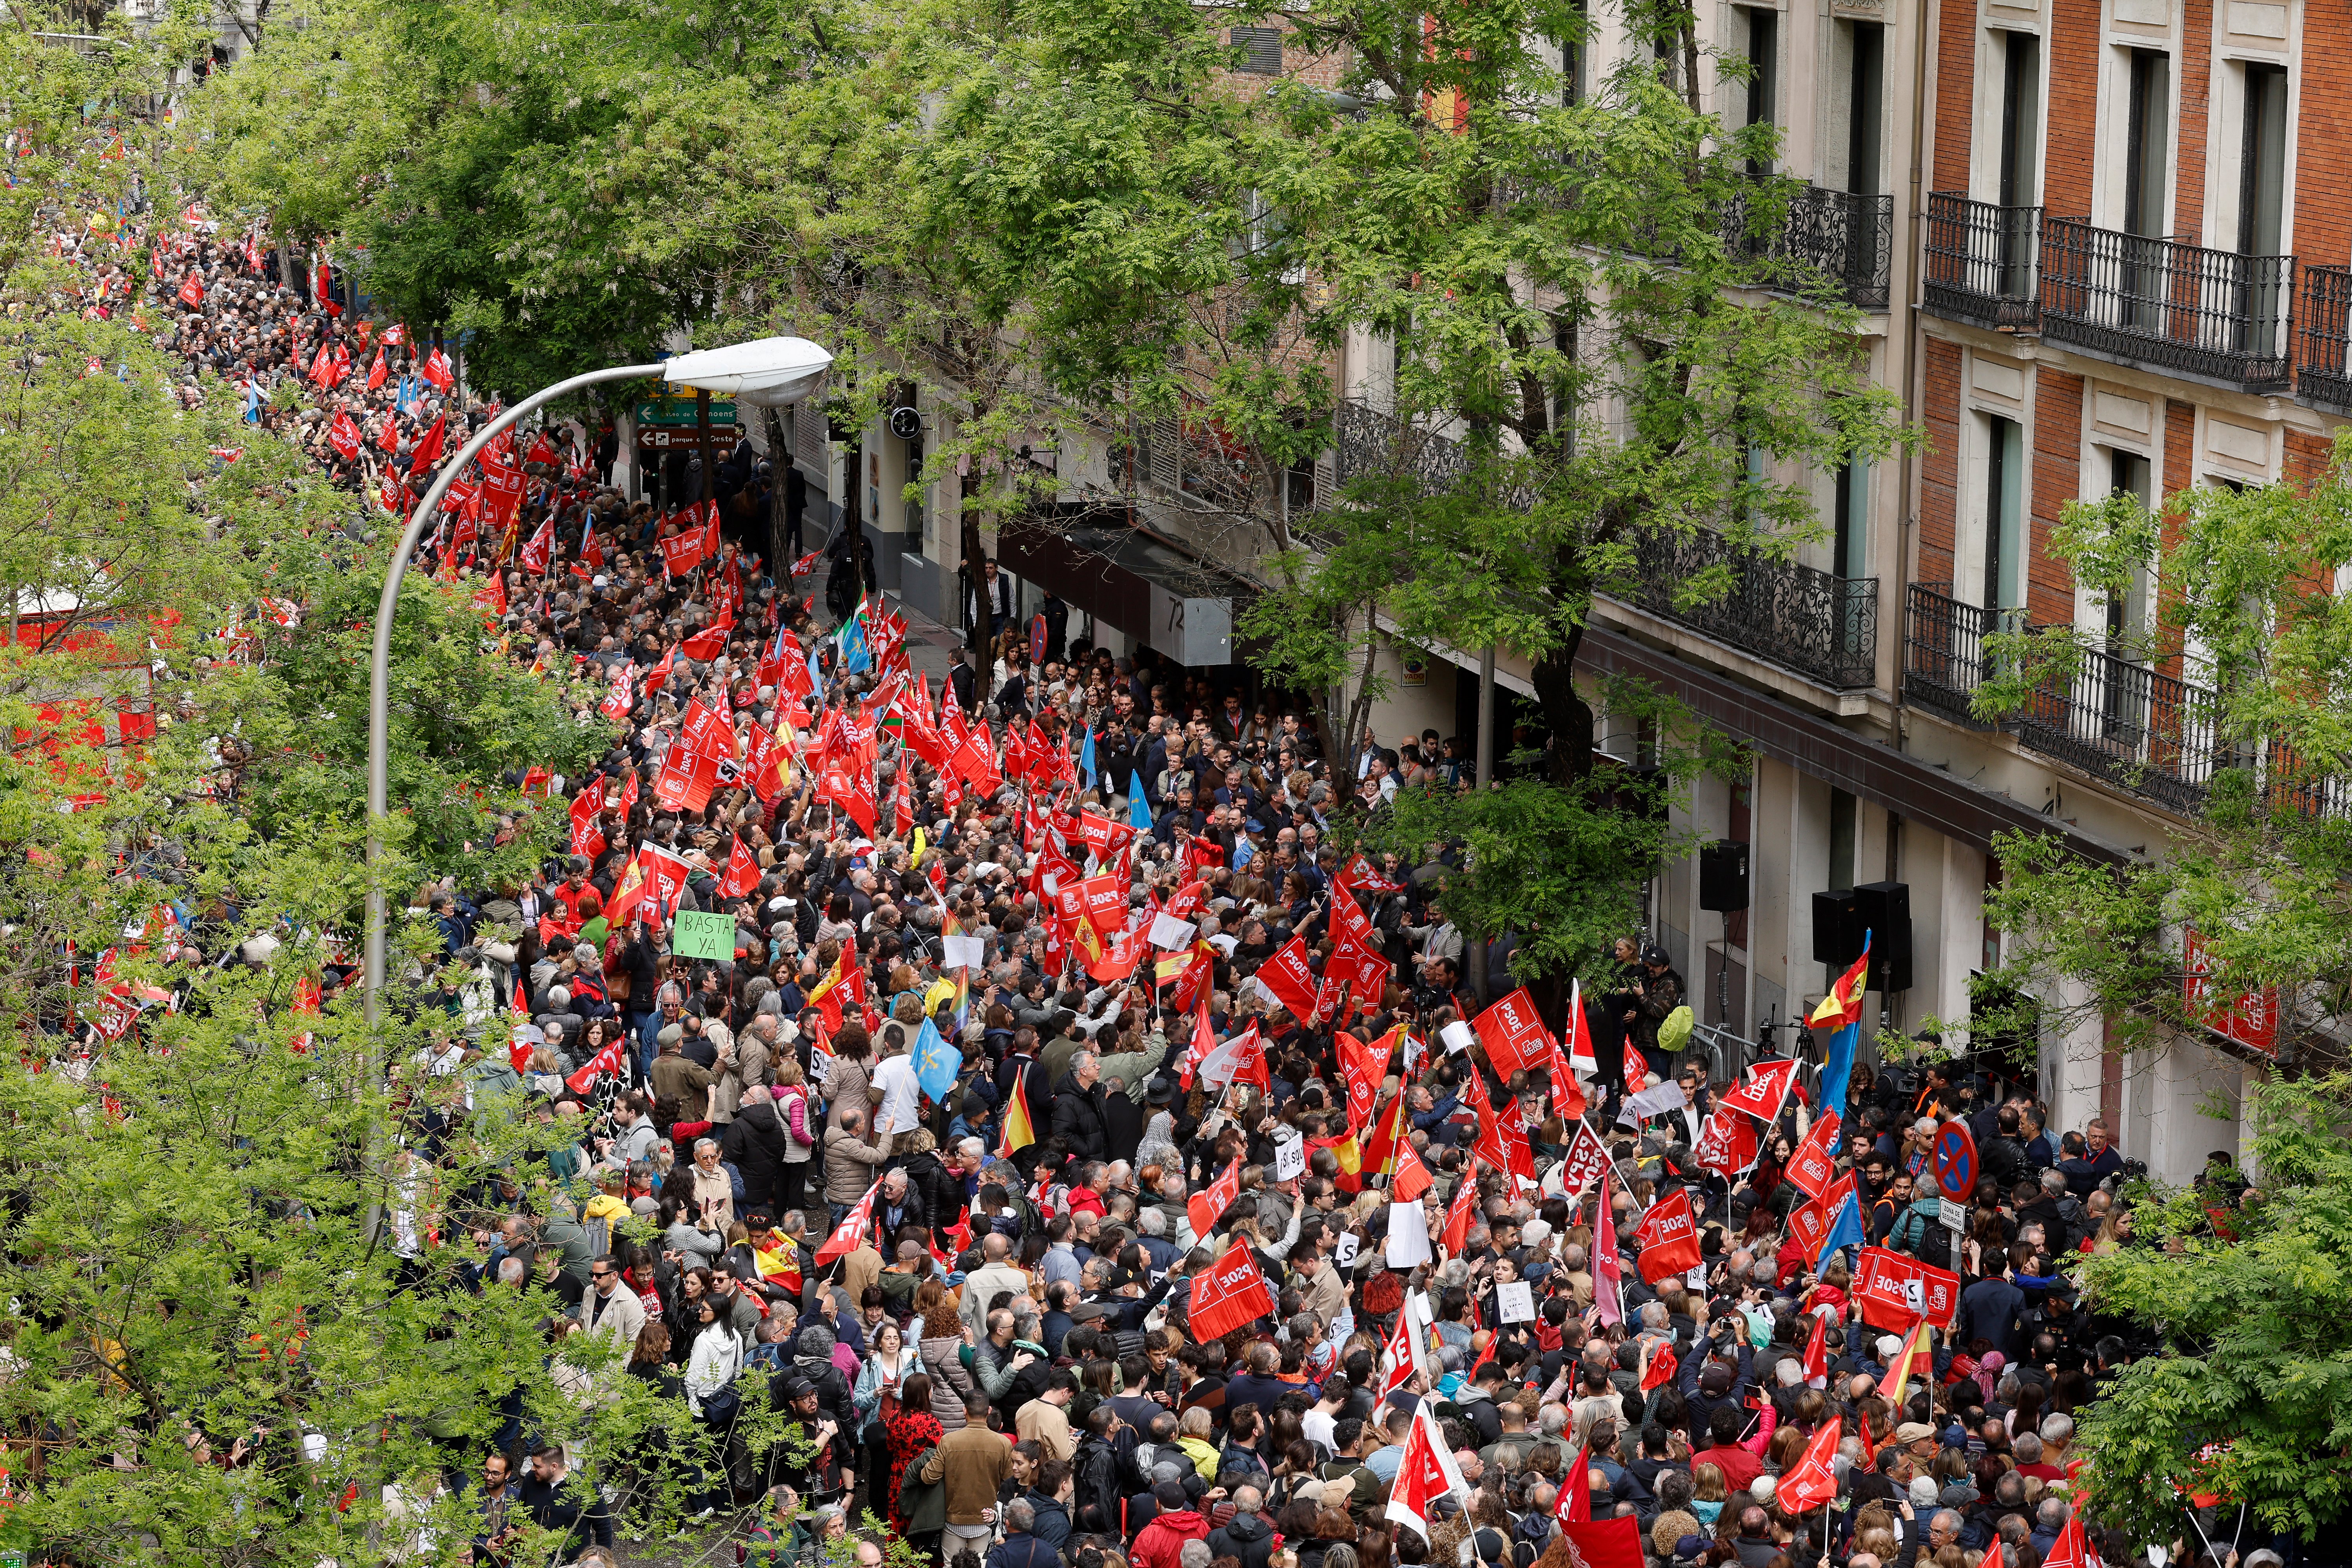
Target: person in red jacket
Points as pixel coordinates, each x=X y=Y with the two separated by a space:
x=1160 y=1543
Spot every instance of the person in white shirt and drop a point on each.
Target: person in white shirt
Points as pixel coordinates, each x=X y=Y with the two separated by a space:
x=894 y=1080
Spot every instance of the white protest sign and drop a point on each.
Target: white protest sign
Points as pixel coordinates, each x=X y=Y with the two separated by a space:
x=1408 y=1236
x=1457 y=1036
x=1515 y=1303
x=1289 y=1158
x=1343 y=1254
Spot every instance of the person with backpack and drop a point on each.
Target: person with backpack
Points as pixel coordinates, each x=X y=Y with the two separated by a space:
x=1921 y=1232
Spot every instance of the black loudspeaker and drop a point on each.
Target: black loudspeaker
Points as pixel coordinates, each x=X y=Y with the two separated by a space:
x=1837 y=935
x=1883 y=910
x=1723 y=875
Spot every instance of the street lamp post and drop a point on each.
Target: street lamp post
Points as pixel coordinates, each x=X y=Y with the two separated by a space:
x=768 y=372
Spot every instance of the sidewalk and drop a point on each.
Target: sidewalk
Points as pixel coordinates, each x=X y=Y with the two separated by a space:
x=930 y=646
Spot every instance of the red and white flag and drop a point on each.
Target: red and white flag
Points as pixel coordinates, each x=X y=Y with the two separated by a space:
x=850 y=1234
x=1427 y=1472
x=1574 y=1504
x=1764 y=1091
x=1811 y=1481
x=1233 y=1294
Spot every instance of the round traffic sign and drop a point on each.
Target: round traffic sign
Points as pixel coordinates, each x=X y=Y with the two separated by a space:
x=1955 y=1160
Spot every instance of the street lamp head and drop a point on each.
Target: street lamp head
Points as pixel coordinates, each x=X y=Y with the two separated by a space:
x=766 y=372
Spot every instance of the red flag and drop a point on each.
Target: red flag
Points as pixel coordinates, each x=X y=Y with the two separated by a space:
x=1604 y=1543
x=850 y=1235
x=1285 y=980
x=1811 y=1168
x=1513 y=1036
x=1233 y=1294
x=536 y=554
x=1413 y=1177
x=376 y=372
x=344 y=435
x=1668 y=1237
x=1663 y=1366
x=1810 y=1482
x=1206 y=1208
x=1574 y=1504
x=1817 y=1355
x=681 y=552
x=708 y=643
x=542 y=449
x=1427 y=1472
x=1458 y=1216
x=437 y=370
x=1766 y=1087
x=1588 y=1157
x=2073 y=1548
x=1608 y=1269
x=192 y=290
x=1726 y=1144
x=1502 y=1143
x=742 y=872
x=603 y=1061
x=429 y=450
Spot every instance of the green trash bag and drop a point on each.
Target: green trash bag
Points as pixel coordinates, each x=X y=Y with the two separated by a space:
x=1675 y=1032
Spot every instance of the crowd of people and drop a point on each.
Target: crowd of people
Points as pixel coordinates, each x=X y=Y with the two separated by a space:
x=1104 y=1169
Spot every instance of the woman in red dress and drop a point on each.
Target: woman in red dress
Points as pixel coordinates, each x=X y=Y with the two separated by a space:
x=914 y=1431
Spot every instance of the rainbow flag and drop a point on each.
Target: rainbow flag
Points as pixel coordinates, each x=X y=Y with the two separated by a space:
x=1019 y=1131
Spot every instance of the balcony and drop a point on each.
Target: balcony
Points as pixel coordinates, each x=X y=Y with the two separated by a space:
x=1981 y=262
x=2321 y=373
x=2210 y=314
x=1847 y=240
x=1822 y=627
x=2138 y=729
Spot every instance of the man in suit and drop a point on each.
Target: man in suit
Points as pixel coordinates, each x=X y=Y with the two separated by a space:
x=998 y=588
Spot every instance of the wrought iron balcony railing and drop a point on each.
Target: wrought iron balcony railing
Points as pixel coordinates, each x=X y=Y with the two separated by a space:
x=1846 y=239
x=2324 y=330
x=2139 y=729
x=1824 y=626
x=1982 y=261
x=2168 y=306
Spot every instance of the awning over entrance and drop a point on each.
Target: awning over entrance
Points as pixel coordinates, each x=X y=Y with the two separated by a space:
x=1147 y=585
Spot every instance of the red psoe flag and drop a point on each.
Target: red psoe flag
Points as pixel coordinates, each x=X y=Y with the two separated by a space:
x=1233 y=1294
x=1514 y=1035
x=1811 y=1482
x=850 y=1234
x=1604 y=1542
x=1668 y=1237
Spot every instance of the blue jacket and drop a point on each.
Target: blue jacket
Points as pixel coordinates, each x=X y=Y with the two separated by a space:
x=1025 y=1552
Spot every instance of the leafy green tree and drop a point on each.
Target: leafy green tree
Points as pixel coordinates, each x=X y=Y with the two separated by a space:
x=2246 y=1397
x=2245 y=614
x=1598 y=340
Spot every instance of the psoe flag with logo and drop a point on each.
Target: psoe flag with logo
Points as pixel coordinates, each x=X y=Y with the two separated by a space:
x=1427 y=1472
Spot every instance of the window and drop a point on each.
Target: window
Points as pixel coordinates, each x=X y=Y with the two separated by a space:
x=2262 y=169
x=1864 y=90
x=2021 y=121
x=2147 y=144
x=1850 y=551
x=2004 y=513
x=2123 y=696
x=1572 y=52
x=1841 y=839
x=1261 y=49
x=1763 y=82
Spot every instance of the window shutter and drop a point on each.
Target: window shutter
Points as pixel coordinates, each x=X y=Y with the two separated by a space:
x=1265 y=46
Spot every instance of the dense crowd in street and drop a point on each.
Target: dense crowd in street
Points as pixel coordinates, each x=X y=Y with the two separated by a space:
x=1105 y=1168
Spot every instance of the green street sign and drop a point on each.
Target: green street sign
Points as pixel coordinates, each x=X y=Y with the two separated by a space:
x=699 y=935
x=681 y=411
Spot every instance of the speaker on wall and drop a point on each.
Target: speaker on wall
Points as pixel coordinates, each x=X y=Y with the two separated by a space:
x=1723 y=875
x=1883 y=910
x=1837 y=939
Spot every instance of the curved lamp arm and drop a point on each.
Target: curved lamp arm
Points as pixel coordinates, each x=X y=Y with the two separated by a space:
x=380 y=661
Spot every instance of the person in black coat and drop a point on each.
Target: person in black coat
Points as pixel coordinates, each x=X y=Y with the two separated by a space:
x=900 y=1205
x=942 y=1191
x=561 y=1501
x=1082 y=1109
x=755 y=1144
x=1123 y=1119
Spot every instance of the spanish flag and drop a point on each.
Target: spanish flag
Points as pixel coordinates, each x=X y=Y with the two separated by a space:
x=1380 y=1152
x=822 y=995
x=1843 y=1003
x=1912 y=1361
x=780 y=1264
x=1019 y=1131
x=628 y=893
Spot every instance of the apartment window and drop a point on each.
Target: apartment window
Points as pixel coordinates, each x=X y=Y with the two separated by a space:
x=1764 y=77
x=2020 y=120
x=2262 y=169
x=1261 y=49
x=2004 y=516
x=1849 y=549
x=2129 y=473
x=2147 y=144
x=1865 y=89
x=1841 y=839
x=1572 y=51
